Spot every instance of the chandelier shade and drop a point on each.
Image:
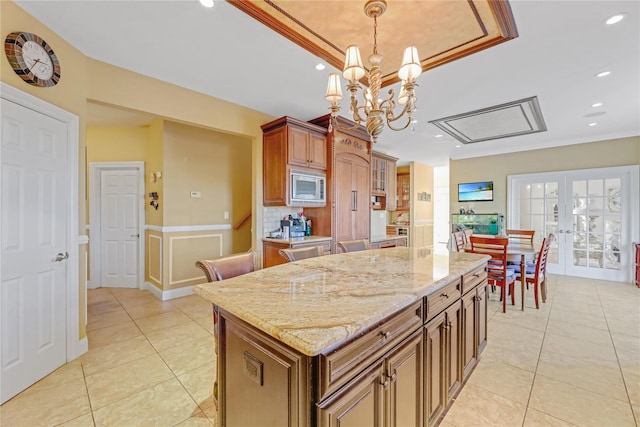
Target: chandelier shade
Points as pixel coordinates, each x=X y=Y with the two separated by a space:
x=372 y=111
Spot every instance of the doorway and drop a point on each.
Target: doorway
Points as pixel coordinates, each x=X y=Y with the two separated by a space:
x=116 y=215
x=39 y=297
x=592 y=213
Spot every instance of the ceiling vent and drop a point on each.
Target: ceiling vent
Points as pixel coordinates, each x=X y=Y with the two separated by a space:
x=500 y=121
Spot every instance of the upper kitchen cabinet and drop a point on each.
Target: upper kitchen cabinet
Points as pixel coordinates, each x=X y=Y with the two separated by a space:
x=403 y=192
x=288 y=143
x=383 y=181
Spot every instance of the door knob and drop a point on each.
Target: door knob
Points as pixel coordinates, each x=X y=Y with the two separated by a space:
x=61 y=257
x=136 y=235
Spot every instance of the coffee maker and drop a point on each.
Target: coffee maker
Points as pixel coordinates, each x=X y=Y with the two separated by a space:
x=297 y=228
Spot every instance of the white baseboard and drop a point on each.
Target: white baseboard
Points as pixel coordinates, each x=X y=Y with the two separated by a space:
x=82 y=347
x=170 y=294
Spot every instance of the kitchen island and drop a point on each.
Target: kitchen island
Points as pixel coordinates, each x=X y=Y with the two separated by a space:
x=378 y=337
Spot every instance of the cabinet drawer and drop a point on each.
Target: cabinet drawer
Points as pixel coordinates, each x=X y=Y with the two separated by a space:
x=442 y=298
x=473 y=279
x=338 y=367
x=326 y=244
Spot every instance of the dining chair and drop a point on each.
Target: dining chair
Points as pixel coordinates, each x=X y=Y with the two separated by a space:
x=297 y=254
x=498 y=272
x=354 y=245
x=458 y=238
x=467 y=233
x=538 y=278
x=228 y=266
x=522 y=236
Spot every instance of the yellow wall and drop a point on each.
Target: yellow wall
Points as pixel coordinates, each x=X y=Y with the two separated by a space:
x=617 y=152
x=421 y=211
x=69 y=94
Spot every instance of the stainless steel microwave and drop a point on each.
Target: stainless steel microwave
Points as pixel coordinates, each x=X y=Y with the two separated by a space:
x=307 y=188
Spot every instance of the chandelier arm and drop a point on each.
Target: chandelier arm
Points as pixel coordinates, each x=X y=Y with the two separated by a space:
x=391 y=118
x=337 y=124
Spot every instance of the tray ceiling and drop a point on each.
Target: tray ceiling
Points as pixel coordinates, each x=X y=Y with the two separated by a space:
x=441 y=30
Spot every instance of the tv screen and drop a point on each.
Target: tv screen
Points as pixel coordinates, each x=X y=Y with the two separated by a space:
x=475 y=191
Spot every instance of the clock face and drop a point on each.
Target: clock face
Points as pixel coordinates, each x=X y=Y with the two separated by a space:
x=32 y=59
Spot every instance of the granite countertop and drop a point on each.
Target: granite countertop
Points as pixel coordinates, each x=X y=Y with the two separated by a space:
x=382 y=237
x=317 y=304
x=297 y=239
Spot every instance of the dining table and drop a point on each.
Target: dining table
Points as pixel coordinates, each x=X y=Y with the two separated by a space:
x=516 y=251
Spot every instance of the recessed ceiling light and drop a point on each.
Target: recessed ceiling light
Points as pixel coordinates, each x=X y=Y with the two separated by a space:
x=206 y=3
x=597 y=104
x=615 y=19
x=603 y=73
x=414 y=121
x=320 y=67
x=439 y=135
x=458 y=145
x=593 y=124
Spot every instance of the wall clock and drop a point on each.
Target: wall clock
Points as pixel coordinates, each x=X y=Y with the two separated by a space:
x=32 y=59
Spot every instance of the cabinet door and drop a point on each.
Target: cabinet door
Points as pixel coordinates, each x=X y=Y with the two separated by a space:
x=391 y=185
x=298 y=145
x=344 y=199
x=453 y=353
x=362 y=213
x=404 y=192
x=404 y=393
x=271 y=255
x=481 y=317
x=469 y=346
x=434 y=368
x=318 y=151
x=274 y=168
x=358 y=404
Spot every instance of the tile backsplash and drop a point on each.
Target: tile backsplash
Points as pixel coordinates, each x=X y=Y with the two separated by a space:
x=273 y=215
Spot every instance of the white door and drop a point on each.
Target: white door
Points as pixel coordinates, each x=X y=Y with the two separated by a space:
x=35 y=202
x=119 y=227
x=591 y=212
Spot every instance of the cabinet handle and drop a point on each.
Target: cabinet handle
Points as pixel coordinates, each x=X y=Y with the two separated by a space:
x=355 y=204
x=385 y=334
x=353 y=200
x=444 y=296
x=476 y=275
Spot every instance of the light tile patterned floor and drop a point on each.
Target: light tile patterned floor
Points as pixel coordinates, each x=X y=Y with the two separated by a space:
x=574 y=362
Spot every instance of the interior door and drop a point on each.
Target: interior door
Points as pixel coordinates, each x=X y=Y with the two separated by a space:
x=119 y=227
x=34 y=212
x=591 y=212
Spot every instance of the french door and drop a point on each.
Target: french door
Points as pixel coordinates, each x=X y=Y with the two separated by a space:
x=592 y=214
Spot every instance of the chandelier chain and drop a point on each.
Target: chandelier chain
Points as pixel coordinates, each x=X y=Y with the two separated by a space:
x=375 y=33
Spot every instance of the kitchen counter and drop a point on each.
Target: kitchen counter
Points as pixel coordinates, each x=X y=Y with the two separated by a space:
x=318 y=304
x=293 y=240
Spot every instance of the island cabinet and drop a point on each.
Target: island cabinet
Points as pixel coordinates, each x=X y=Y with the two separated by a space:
x=288 y=143
x=286 y=359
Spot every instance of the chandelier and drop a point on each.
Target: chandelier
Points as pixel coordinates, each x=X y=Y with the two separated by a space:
x=373 y=111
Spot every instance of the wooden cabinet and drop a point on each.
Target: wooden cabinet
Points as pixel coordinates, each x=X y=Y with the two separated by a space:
x=348 y=211
x=272 y=257
x=289 y=143
x=387 y=394
x=443 y=377
x=383 y=181
x=403 y=192
x=352 y=197
x=389 y=243
x=306 y=148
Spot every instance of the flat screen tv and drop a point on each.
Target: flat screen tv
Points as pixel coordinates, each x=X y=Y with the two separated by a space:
x=481 y=191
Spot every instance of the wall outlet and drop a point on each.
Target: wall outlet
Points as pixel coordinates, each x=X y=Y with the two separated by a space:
x=226 y=215
x=195 y=194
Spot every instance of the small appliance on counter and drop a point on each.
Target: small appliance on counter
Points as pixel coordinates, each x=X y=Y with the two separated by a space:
x=297 y=228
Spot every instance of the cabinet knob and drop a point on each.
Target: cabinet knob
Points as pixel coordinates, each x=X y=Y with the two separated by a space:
x=392 y=377
x=385 y=334
x=385 y=383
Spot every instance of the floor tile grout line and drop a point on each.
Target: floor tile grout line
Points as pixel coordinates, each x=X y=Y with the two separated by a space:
x=624 y=381
x=535 y=373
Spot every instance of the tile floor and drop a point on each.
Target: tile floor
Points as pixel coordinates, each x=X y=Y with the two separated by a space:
x=574 y=362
